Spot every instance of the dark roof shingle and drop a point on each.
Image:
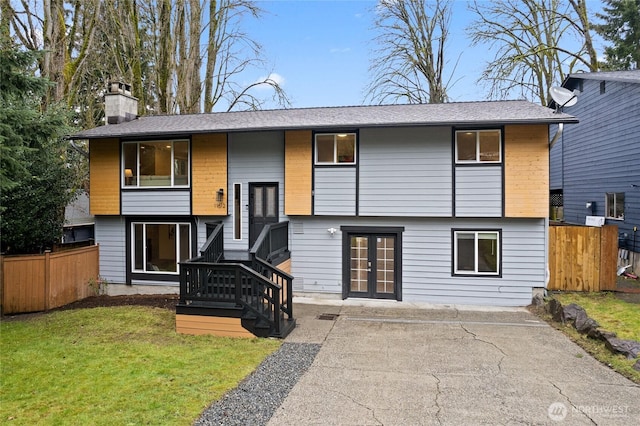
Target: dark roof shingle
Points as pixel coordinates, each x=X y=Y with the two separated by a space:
x=458 y=114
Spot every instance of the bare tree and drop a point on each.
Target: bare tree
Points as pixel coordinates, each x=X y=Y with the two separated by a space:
x=532 y=40
x=181 y=56
x=230 y=52
x=409 y=62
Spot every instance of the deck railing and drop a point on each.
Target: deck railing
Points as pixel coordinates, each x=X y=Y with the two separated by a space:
x=202 y=282
x=262 y=289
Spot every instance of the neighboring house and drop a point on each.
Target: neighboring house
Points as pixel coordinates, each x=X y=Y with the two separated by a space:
x=595 y=165
x=440 y=203
x=78 y=221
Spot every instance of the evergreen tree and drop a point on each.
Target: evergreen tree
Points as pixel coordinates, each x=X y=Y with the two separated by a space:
x=621 y=27
x=35 y=180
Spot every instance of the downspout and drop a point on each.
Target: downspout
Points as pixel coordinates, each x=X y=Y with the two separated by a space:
x=556 y=136
x=547 y=277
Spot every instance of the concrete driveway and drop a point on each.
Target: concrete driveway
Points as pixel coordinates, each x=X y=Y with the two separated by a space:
x=382 y=364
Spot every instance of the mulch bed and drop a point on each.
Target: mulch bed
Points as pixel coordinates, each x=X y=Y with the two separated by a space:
x=164 y=301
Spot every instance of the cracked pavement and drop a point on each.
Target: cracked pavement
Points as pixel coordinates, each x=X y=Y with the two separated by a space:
x=386 y=364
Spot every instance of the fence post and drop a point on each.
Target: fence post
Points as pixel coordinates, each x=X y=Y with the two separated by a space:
x=47 y=279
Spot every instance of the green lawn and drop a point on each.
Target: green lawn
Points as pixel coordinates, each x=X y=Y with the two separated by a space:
x=120 y=365
x=612 y=314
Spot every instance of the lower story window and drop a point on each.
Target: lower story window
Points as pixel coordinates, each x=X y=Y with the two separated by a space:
x=158 y=247
x=476 y=252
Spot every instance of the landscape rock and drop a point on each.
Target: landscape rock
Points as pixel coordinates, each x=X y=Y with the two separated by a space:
x=636 y=366
x=598 y=334
x=571 y=312
x=555 y=310
x=537 y=300
x=628 y=348
x=584 y=323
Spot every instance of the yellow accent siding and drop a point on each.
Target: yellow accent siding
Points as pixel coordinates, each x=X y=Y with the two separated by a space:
x=104 y=172
x=208 y=174
x=216 y=326
x=526 y=177
x=297 y=172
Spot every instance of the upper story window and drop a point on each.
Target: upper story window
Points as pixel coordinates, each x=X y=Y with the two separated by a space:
x=335 y=148
x=478 y=146
x=614 y=205
x=155 y=164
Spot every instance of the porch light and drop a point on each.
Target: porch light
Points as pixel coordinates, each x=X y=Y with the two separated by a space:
x=220 y=195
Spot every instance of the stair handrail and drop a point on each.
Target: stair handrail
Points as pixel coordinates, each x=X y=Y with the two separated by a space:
x=272 y=242
x=213 y=249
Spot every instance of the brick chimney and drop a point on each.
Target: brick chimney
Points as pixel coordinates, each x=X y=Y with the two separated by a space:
x=119 y=105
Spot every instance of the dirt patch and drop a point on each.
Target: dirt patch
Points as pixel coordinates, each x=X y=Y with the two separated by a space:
x=628 y=289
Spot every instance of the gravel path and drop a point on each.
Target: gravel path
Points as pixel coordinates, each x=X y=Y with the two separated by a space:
x=257 y=397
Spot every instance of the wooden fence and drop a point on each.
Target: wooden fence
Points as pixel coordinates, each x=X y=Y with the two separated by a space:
x=34 y=283
x=582 y=258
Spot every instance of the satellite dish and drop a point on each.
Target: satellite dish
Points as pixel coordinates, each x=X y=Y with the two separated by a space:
x=563 y=97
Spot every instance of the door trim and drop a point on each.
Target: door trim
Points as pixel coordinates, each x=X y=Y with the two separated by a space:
x=348 y=231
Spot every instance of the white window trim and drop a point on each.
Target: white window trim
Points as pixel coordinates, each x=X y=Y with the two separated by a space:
x=475 y=260
x=234 y=211
x=335 y=149
x=477 y=160
x=144 y=250
x=615 y=203
x=172 y=177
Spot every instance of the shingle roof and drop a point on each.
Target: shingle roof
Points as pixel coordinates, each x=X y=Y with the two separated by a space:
x=624 y=76
x=457 y=114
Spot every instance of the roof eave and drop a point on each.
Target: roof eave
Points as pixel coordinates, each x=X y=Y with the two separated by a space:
x=185 y=133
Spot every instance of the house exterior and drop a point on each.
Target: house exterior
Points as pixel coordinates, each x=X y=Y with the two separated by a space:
x=594 y=165
x=78 y=222
x=439 y=203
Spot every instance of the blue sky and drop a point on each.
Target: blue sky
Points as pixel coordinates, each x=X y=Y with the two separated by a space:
x=321 y=50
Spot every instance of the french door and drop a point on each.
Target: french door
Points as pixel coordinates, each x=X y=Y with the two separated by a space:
x=263 y=208
x=372 y=265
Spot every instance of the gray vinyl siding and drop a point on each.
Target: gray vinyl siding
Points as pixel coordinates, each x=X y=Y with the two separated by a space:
x=405 y=172
x=334 y=191
x=479 y=191
x=110 y=234
x=600 y=155
x=427 y=258
x=253 y=157
x=158 y=202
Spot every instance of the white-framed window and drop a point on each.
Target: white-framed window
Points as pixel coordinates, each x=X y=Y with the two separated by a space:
x=476 y=252
x=155 y=164
x=478 y=146
x=237 y=211
x=159 y=247
x=335 y=148
x=614 y=205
